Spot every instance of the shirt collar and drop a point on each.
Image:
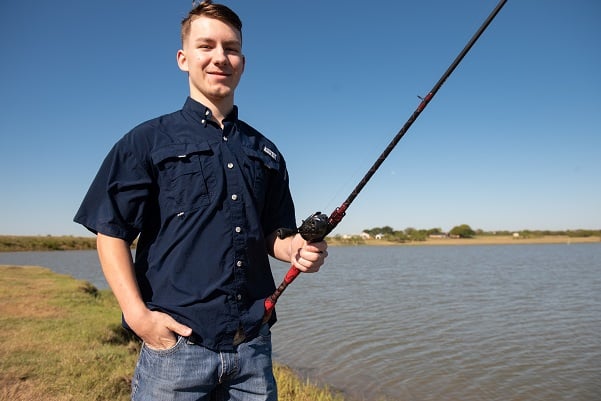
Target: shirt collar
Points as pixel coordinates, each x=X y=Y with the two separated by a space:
x=203 y=114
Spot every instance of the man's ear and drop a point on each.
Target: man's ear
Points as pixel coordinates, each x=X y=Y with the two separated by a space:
x=182 y=60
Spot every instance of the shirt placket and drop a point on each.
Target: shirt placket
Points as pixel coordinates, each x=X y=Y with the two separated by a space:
x=235 y=185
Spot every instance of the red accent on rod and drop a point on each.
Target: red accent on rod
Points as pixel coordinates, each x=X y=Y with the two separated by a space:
x=425 y=102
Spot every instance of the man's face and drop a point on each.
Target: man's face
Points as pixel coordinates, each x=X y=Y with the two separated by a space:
x=212 y=56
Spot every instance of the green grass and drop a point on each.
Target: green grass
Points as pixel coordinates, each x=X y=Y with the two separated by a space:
x=61 y=340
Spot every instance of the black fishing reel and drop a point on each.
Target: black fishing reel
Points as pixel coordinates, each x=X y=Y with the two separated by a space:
x=313 y=229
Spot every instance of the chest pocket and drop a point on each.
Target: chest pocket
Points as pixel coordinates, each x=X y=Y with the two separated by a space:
x=262 y=168
x=183 y=170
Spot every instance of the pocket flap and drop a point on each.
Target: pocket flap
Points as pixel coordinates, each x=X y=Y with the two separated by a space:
x=179 y=151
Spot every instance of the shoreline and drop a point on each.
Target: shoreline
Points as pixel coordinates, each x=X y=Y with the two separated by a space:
x=478 y=240
x=15 y=243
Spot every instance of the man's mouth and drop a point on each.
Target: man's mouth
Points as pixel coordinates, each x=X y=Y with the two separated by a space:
x=219 y=73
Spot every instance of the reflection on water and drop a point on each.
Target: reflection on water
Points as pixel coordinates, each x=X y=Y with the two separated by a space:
x=514 y=322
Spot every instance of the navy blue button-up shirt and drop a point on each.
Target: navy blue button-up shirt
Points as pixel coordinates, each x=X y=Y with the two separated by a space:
x=202 y=200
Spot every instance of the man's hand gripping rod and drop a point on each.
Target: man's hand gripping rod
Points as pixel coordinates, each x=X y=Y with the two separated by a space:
x=318 y=225
x=313 y=229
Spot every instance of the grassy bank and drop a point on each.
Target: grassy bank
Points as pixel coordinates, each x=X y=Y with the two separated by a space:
x=61 y=340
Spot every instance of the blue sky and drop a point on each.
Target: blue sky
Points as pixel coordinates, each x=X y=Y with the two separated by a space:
x=511 y=141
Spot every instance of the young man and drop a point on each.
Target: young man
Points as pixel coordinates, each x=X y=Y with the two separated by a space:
x=205 y=194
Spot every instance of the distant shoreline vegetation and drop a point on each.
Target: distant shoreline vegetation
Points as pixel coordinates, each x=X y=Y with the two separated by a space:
x=459 y=235
x=16 y=243
x=464 y=231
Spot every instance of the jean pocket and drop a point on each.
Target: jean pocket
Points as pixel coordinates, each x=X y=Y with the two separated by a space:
x=167 y=351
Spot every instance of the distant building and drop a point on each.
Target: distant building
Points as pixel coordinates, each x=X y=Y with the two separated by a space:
x=438 y=236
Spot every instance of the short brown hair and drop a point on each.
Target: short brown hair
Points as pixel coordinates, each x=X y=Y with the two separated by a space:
x=211 y=10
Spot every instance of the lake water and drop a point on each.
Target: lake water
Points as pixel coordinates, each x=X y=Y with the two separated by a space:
x=468 y=323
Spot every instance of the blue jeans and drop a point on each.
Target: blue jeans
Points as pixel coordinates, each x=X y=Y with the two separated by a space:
x=190 y=372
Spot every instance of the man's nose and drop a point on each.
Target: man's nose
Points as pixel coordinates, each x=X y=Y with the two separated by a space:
x=220 y=56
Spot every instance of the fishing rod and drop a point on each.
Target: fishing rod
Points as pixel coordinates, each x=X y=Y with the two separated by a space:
x=318 y=225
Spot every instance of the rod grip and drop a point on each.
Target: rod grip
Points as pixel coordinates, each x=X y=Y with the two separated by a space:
x=271 y=300
x=313 y=229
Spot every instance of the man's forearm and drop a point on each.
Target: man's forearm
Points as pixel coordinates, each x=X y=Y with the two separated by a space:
x=155 y=328
x=118 y=268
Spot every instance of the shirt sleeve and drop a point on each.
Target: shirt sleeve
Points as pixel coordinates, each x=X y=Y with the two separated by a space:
x=115 y=202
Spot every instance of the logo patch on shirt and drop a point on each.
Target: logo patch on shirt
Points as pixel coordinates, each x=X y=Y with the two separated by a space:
x=271 y=153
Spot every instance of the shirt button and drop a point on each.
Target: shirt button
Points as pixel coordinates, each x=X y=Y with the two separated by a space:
x=203 y=121
x=239 y=297
x=238 y=229
x=230 y=165
x=207 y=112
x=234 y=197
x=225 y=138
x=239 y=263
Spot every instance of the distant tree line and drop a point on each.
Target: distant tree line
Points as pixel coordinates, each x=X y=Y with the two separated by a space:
x=408 y=234
x=15 y=243
x=465 y=231
x=578 y=233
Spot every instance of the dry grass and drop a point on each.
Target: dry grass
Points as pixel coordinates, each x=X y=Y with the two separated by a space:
x=54 y=339
x=61 y=340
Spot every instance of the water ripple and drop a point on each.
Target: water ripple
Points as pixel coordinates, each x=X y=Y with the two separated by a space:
x=458 y=323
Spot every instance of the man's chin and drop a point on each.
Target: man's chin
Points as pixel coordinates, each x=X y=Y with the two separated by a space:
x=221 y=93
